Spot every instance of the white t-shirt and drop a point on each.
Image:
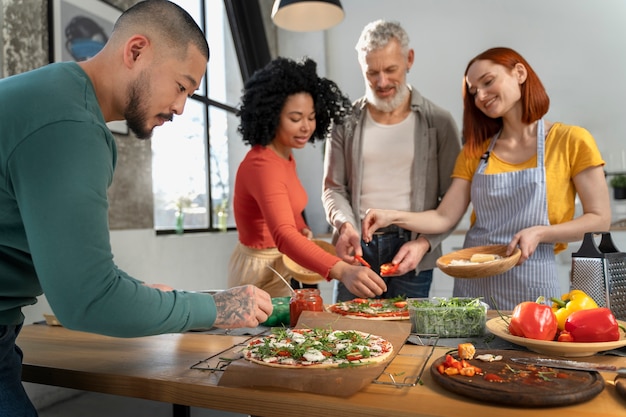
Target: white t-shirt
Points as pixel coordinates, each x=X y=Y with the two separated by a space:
x=388 y=152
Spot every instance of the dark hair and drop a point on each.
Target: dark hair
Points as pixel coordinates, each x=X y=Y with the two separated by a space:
x=167 y=20
x=265 y=93
x=478 y=127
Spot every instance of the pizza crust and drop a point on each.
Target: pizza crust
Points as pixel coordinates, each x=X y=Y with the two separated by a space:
x=284 y=340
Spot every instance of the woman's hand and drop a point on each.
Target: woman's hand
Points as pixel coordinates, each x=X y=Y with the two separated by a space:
x=527 y=240
x=359 y=280
x=306 y=232
x=375 y=219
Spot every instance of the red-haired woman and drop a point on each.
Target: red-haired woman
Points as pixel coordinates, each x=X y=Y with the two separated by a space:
x=521 y=173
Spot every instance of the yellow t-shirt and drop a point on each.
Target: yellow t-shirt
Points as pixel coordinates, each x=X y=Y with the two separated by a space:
x=569 y=150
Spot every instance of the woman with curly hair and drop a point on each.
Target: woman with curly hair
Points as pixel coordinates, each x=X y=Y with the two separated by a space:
x=284 y=106
x=522 y=174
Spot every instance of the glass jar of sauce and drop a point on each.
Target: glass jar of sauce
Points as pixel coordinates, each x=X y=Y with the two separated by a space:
x=305 y=299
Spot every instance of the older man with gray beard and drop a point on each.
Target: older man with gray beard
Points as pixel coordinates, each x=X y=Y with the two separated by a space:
x=396 y=151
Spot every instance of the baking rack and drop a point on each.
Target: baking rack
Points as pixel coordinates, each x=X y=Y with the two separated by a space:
x=418 y=361
x=220 y=361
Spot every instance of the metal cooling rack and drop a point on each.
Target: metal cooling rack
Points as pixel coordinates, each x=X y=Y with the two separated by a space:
x=403 y=379
x=220 y=360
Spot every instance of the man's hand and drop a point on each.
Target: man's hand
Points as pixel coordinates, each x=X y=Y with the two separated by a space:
x=409 y=255
x=162 y=287
x=348 y=244
x=245 y=306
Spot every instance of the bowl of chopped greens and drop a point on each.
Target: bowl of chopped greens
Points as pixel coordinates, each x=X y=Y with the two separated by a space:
x=448 y=317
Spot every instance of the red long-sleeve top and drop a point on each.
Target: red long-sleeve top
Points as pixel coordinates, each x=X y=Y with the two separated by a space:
x=268 y=204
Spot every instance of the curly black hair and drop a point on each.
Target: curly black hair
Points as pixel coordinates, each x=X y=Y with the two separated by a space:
x=265 y=93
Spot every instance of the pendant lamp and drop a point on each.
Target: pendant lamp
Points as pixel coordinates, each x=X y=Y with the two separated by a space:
x=307 y=15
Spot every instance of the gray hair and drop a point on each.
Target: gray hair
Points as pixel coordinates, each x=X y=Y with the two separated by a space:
x=377 y=35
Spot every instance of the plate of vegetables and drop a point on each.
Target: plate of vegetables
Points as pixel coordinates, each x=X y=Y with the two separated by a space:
x=499 y=326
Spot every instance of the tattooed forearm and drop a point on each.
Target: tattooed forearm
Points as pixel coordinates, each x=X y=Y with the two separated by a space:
x=235 y=307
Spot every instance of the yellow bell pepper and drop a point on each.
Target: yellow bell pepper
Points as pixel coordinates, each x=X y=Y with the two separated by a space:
x=572 y=301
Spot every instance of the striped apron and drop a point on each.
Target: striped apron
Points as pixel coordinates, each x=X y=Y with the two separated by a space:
x=504 y=204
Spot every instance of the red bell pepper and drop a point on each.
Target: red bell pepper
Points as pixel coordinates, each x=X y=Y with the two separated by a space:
x=593 y=325
x=533 y=320
x=362 y=261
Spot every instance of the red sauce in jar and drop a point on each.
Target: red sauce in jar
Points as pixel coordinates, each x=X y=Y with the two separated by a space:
x=305 y=299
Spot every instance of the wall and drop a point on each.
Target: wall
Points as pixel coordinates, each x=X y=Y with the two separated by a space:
x=574 y=45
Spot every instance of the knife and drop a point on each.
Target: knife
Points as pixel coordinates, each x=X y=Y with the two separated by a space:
x=567 y=364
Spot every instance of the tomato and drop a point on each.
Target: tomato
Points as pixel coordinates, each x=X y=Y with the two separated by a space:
x=493 y=378
x=441 y=368
x=354 y=357
x=565 y=336
x=362 y=261
x=388 y=268
x=453 y=366
x=360 y=301
x=470 y=371
x=283 y=353
x=451 y=371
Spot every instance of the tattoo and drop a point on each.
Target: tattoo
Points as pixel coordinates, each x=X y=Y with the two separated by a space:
x=235 y=307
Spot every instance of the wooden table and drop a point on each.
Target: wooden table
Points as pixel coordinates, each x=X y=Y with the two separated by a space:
x=159 y=368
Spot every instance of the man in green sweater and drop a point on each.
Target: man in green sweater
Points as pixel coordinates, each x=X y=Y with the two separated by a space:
x=57 y=159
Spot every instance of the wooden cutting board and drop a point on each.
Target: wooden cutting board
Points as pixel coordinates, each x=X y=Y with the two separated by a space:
x=341 y=382
x=620 y=387
x=522 y=389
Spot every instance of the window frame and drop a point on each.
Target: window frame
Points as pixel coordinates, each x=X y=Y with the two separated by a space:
x=253 y=52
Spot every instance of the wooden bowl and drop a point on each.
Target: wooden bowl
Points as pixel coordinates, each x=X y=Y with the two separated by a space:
x=478 y=270
x=302 y=274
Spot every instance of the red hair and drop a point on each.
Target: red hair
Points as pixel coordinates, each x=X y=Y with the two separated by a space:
x=478 y=127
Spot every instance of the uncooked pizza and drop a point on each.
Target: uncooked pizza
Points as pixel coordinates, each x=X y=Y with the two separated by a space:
x=317 y=348
x=372 y=308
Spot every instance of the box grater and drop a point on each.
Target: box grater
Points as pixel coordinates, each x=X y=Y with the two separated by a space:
x=600 y=271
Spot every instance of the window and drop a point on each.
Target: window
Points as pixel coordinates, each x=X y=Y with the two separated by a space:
x=194 y=159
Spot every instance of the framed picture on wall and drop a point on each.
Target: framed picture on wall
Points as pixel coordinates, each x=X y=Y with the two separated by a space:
x=78 y=30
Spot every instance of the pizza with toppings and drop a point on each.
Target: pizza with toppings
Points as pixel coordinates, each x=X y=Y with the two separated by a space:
x=317 y=348
x=372 y=308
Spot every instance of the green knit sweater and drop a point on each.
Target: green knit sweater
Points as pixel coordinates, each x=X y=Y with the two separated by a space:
x=57 y=159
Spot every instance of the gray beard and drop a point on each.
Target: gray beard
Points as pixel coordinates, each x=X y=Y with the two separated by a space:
x=387 y=106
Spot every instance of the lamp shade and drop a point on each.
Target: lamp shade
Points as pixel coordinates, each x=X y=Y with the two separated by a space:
x=307 y=15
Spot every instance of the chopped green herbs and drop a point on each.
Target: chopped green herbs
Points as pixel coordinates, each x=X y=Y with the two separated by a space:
x=448 y=317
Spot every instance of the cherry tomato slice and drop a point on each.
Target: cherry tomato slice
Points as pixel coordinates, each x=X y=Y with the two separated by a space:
x=388 y=268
